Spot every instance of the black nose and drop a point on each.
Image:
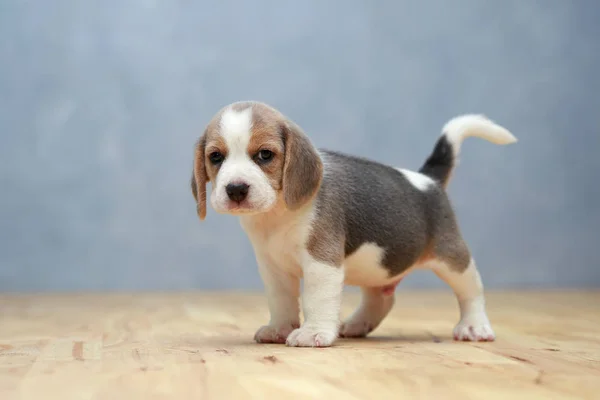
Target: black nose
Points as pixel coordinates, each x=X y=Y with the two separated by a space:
x=237 y=191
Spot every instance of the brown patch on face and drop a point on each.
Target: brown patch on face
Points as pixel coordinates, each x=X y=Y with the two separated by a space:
x=265 y=136
x=214 y=143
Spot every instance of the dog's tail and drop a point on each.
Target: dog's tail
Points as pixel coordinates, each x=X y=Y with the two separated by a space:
x=443 y=159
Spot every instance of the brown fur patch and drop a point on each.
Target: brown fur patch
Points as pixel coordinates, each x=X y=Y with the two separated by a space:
x=303 y=168
x=267 y=138
x=325 y=244
x=428 y=253
x=326 y=240
x=199 y=179
x=214 y=143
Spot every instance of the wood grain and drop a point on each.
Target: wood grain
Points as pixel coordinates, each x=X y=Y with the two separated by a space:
x=199 y=346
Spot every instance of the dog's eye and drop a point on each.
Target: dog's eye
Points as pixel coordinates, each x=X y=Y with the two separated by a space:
x=264 y=155
x=215 y=157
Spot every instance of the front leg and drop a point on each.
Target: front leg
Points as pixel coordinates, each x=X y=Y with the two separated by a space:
x=282 y=290
x=321 y=302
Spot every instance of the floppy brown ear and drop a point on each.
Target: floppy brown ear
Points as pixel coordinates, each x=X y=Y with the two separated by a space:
x=199 y=179
x=302 y=168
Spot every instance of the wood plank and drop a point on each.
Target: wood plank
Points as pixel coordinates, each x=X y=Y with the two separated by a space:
x=199 y=346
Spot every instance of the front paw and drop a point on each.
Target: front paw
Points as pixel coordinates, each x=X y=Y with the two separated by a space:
x=310 y=336
x=274 y=333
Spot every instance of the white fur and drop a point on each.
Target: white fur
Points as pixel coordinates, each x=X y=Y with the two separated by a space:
x=461 y=127
x=321 y=302
x=474 y=324
x=418 y=180
x=235 y=126
x=364 y=268
x=238 y=167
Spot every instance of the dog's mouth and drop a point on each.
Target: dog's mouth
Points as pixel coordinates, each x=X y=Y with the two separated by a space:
x=250 y=208
x=241 y=208
x=234 y=207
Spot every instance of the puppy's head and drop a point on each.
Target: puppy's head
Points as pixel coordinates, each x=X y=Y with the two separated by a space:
x=254 y=156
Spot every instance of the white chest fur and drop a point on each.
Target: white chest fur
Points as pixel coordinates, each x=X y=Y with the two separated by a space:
x=279 y=238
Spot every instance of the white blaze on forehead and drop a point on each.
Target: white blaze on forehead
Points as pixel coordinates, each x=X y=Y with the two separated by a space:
x=235 y=127
x=417 y=179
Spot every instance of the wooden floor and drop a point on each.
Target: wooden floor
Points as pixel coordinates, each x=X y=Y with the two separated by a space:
x=199 y=346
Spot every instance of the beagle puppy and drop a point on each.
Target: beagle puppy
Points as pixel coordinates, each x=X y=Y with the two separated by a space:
x=335 y=219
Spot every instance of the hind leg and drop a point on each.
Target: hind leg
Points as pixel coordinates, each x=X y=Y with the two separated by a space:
x=474 y=324
x=376 y=303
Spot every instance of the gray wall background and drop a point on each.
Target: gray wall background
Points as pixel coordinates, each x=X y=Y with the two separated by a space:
x=102 y=100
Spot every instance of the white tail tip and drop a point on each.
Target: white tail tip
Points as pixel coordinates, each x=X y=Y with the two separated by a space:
x=461 y=127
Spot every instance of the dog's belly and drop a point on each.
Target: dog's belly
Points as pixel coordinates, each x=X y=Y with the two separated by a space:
x=364 y=268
